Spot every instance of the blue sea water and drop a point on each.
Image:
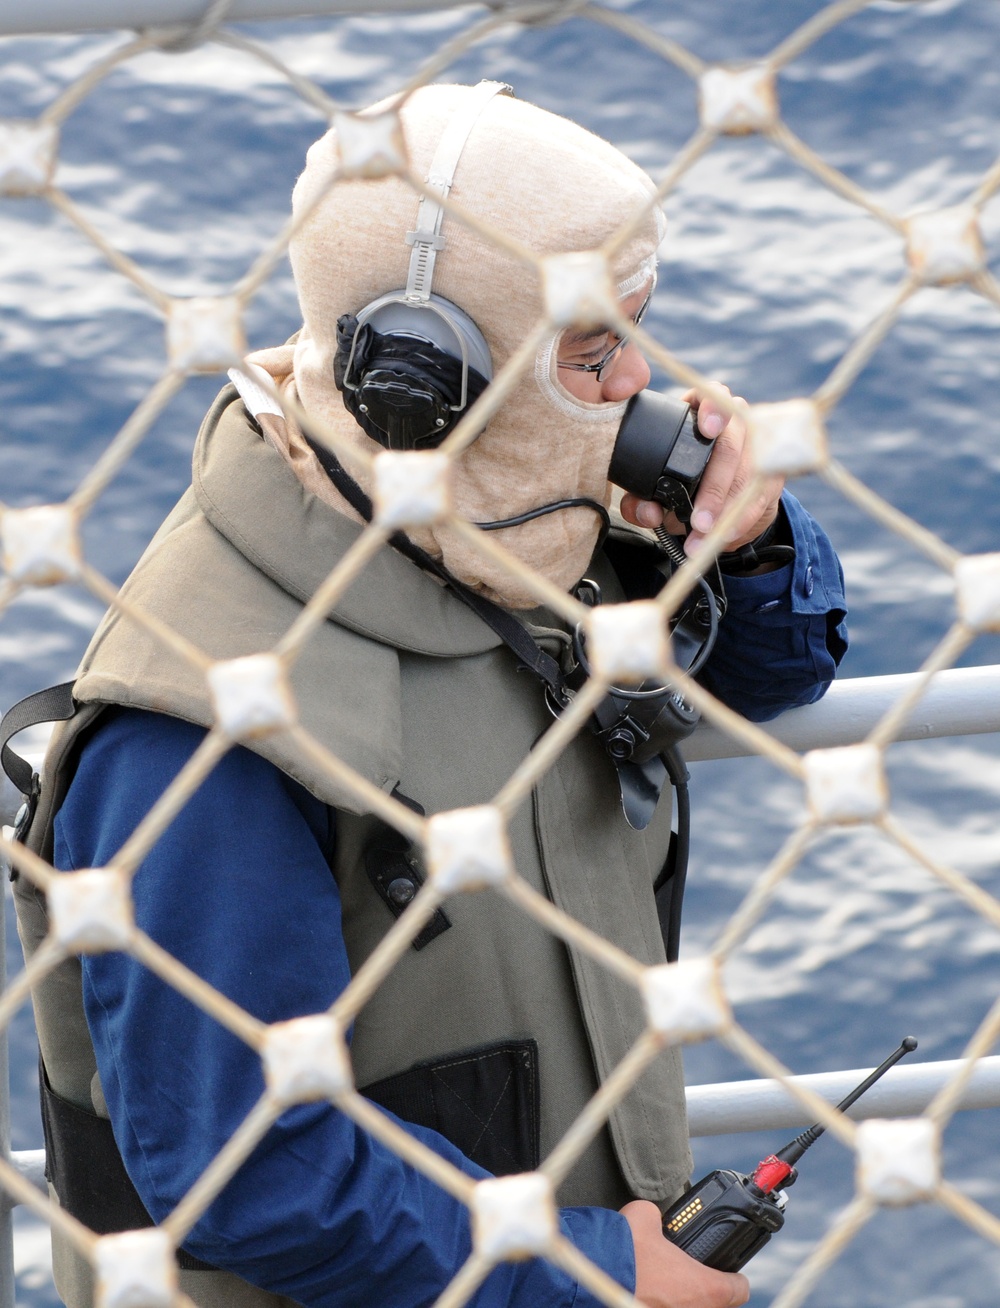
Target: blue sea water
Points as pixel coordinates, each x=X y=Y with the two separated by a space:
x=187 y=162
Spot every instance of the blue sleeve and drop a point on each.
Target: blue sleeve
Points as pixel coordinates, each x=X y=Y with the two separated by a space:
x=784 y=632
x=239 y=888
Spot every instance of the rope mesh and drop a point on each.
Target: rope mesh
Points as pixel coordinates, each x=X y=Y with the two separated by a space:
x=309 y=1058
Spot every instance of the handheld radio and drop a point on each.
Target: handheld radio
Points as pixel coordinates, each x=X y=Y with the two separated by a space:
x=727 y=1217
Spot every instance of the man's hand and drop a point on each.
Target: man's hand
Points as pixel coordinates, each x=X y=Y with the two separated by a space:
x=726 y=475
x=665 y=1277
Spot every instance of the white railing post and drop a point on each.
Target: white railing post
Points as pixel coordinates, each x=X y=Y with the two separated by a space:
x=959 y=702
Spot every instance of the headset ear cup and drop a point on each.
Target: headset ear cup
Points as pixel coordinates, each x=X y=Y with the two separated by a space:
x=402 y=410
x=347 y=328
x=408 y=372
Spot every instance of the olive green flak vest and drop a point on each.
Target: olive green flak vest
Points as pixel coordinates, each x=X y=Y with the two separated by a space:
x=411 y=689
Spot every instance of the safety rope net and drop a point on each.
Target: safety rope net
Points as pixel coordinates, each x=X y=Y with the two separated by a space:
x=466 y=851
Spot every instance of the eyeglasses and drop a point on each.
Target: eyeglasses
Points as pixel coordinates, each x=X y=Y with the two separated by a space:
x=600 y=367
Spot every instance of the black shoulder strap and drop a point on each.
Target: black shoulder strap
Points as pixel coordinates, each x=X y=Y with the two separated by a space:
x=56 y=704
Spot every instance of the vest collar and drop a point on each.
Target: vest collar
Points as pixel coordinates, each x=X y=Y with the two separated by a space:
x=252 y=497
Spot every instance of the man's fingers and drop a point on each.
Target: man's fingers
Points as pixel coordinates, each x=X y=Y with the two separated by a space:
x=711 y=421
x=727 y=474
x=667 y=1278
x=756 y=516
x=642 y=513
x=712 y=417
x=724 y=477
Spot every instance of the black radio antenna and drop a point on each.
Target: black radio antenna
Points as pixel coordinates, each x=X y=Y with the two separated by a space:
x=794 y=1151
x=780 y=1167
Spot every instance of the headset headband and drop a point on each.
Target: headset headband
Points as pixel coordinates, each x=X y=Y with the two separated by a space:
x=427 y=239
x=407 y=394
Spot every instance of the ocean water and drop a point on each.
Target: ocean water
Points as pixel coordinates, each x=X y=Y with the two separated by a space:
x=187 y=162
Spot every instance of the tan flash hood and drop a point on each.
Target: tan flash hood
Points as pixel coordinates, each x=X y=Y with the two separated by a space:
x=555 y=188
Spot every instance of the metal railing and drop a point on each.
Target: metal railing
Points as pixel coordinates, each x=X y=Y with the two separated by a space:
x=95 y=15
x=958 y=702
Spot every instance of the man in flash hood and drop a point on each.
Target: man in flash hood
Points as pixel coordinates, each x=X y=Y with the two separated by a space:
x=275 y=883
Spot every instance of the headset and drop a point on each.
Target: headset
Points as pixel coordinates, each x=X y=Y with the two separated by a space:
x=408 y=369
x=411 y=362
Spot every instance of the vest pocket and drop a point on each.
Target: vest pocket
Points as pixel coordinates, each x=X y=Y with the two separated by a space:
x=484 y=1101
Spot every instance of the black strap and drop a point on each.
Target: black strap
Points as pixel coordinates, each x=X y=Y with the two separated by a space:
x=87 y=1173
x=55 y=704
x=773 y=545
x=511 y=632
x=668 y=888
